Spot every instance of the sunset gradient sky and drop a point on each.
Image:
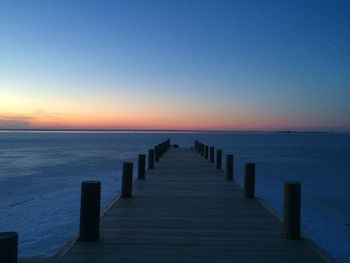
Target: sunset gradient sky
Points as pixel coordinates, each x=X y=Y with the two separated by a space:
x=181 y=64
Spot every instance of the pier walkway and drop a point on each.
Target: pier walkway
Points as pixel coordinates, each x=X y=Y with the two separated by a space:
x=185 y=211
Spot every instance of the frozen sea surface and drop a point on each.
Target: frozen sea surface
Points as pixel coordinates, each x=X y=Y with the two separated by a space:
x=40 y=176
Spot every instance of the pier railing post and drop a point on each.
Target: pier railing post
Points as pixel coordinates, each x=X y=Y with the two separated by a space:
x=141 y=167
x=291 y=210
x=8 y=247
x=161 y=147
x=89 y=229
x=160 y=150
x=206 y=155
x=126 y=186
x=212 y=157
x=218 y=158
x=229 y=166
x=168 y=144
x=249 y=180
x=150 y=159
x=156 y=153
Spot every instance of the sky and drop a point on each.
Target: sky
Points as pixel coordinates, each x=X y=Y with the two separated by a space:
x=175 y=64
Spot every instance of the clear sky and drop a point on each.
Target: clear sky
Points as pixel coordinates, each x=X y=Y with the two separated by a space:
x=181 y=64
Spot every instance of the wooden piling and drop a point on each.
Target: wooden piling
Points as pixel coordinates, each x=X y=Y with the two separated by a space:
x=161 y=149
x=291 y=210
x=206 y=155
x=150 y=159
x=141 y=167
x=229 y=167
x=126 y=186
x=218 y=158
x=249 y=180
x=90 y=210
x=156 y=153
x=212 y=157
x=8 y=247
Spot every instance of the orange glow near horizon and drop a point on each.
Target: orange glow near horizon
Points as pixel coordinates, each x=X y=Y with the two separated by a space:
x=19 y=111
x=155 y=119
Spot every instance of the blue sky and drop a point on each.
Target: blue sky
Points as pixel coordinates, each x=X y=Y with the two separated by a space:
x=241 y=65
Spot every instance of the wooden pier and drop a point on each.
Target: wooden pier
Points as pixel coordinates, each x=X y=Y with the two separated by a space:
x=185 y=211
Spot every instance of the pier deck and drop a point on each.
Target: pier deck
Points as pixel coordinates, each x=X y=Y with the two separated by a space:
x=185 y=211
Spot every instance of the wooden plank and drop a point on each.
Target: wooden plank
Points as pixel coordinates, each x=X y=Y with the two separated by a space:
x=185 y=211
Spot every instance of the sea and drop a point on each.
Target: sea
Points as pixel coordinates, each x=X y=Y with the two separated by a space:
x=41 y=174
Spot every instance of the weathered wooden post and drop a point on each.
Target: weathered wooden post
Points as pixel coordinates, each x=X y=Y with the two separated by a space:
x=8 y=247
x=160 y=150
x=126 y=191
x=163 y=148
x=291 y=210
x=150 y=159
x=218 y=158
x=212 y=154
x=168 y=144
x=196 y=145
x=156 y=153
x=206 y=152
x=89 y=229
x=141 y=167
x=229 y=167
x=249 y=180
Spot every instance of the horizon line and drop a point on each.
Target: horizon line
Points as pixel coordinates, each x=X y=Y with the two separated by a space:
x=165 y=130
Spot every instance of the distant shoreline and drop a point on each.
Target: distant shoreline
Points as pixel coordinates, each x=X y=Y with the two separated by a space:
x=303 y=132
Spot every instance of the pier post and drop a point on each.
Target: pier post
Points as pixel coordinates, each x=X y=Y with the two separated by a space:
x=8 y=247
x=206 y=155
x=291 y=210
x=168 y=144
x=126 y=187
x=141 y=167
x=160 y=150
x=156 y=153
x=229 y=167
x=89 y=229
x=150 y=159
x=249 y=180
x=212 y=154
x=163 y=148
x=218 y=158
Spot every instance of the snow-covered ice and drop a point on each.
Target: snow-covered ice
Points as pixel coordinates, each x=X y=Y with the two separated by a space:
x=41 y=173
